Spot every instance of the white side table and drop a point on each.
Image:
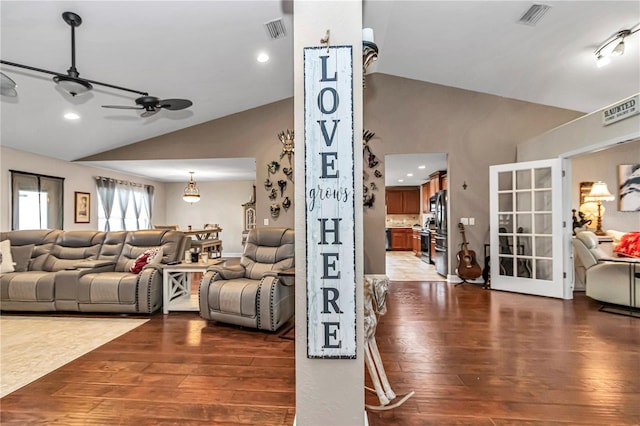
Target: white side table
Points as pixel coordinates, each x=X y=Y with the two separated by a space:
x=176 y=285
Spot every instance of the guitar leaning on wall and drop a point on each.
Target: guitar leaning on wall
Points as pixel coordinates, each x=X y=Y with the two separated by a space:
x=468 y=268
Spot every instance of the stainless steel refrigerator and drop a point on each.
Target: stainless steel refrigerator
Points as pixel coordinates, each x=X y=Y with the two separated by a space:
x=442 y=252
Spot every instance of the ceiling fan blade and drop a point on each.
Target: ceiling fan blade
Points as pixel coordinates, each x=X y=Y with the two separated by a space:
x=122 y=107
x=175 y=104
x=8 y=86
x=149 y=113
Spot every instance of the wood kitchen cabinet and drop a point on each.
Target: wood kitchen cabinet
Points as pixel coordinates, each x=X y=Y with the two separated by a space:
x=426 y=194
x=395 y=203
x=437 y=181
x=415 y=241
x=433 y=246
x=411 y=201
x=401 y=239
x=402 y=200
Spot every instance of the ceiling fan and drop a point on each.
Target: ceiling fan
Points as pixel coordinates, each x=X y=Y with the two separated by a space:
x=151 y=105
x=73 y=84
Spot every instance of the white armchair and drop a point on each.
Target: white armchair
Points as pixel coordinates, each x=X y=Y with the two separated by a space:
x=606 y=280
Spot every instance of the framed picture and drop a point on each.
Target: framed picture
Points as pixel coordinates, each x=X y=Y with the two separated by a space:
x=629 y=187
x=82 y=207
x=585 y=189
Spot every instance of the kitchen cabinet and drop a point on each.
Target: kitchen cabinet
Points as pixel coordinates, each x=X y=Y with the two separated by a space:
x=402 y=200
x=411 y=201
x=415 y=241
x=437 y=181
x=433 y=246
x=401 y=238
x=426 y=194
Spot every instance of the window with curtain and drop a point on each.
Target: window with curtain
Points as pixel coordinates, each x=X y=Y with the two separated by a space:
x=36 y=201
x=123 y=206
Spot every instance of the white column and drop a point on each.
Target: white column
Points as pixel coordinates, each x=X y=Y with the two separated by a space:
x=329 y=391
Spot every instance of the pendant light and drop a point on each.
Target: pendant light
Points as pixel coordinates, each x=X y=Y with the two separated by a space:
x=191 y=193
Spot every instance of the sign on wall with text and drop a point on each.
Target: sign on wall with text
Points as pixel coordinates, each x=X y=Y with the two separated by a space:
x=329 y=202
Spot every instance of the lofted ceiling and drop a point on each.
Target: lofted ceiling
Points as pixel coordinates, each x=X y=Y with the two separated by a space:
x=206 y=51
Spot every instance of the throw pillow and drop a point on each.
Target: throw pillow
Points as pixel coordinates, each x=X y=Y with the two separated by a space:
x=22 y=256
x=149 y=257
x=629 y=245
x=6 y=260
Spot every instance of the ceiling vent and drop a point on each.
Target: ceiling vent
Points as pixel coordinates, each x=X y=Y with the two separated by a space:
x=276 y=29
x=534 y=14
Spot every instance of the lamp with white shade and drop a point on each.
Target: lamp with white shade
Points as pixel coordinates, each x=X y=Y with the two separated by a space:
x=599 y=193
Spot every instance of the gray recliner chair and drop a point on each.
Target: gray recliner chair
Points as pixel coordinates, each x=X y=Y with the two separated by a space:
x=253 y=294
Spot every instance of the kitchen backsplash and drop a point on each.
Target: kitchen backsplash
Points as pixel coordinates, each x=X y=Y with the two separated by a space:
x=402 y=220
x=407 y=220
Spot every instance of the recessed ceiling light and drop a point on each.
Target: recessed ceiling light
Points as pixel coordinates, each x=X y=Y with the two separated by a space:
x=71 y=116
x=422 y=167
x=409 y=174
x=400 y=180
x=263 y=57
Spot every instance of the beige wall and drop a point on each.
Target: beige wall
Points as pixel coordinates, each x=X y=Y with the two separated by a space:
x=252 y=133
x=476 y=130
x=77 y=178
x=603 y=165
x=579 y=136
x=220 y=202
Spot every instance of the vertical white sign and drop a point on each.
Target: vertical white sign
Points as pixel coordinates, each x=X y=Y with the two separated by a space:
x=329 y=202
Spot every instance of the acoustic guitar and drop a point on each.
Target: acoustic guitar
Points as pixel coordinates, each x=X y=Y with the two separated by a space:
x=468 y=268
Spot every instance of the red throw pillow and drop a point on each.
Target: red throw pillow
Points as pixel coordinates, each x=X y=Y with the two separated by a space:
x=629 y=245
x=140 y=262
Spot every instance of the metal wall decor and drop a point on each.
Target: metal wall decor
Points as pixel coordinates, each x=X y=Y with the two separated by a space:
x=273 y=167
x=275 y=210
x=282 y=184
x=287 y=144
x=372 y=161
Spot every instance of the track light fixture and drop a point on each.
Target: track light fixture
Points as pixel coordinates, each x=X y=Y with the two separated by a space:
x=613 y=46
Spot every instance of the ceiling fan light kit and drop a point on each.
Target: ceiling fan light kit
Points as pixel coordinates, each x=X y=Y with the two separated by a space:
x=72 y=83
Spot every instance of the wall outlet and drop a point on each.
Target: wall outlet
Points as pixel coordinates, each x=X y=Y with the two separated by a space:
x=265 y=222
x=464 y=220
x=472 y=221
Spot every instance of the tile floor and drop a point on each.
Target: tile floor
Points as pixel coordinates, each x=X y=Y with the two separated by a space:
x=405 y=266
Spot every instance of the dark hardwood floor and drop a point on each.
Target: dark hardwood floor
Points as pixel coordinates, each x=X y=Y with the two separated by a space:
x=472 y=356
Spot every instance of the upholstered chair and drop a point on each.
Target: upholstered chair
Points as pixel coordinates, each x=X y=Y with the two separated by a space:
x=253 y=294
x=606 y=280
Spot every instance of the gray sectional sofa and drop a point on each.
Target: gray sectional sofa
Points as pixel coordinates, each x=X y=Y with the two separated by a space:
x=87 y=271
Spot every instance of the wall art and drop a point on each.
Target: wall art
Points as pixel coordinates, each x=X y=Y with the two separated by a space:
x=629 y=187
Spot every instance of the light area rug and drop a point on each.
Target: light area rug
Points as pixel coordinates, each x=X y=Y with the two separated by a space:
x=31 y=347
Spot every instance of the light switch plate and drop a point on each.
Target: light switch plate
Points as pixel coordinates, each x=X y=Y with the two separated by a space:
x=472 y=221
x=266 y=222
x=464 y=220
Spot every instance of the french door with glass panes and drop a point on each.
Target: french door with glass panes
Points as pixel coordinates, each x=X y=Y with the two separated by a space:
x=526 y=228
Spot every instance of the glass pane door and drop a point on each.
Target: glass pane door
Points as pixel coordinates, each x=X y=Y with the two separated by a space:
x=525 y=217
